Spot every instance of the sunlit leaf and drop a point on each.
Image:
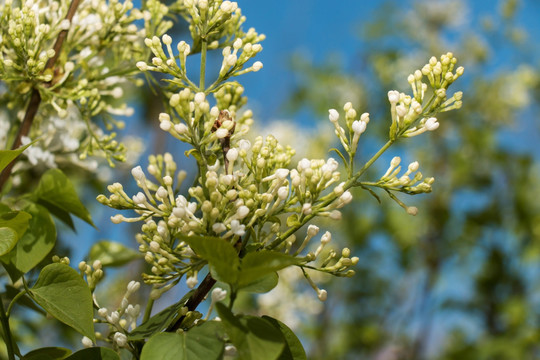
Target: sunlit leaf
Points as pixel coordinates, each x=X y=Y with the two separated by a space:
x=62 y=292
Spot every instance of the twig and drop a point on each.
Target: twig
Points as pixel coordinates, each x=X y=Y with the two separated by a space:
x=195 y=299
x=35 y=98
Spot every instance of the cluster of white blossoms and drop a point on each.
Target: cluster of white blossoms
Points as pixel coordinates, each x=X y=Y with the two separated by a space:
x=80 y=81
x=410 y=115
x=249 y=193
x=120 y=321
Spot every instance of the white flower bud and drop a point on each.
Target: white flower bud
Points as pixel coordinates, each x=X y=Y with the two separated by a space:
x=231 y=60
x=117 y=219
x=222 y=133
x=412 y=210
x=413 y=166
x=69 y=66
x=393 y=96
x=226 y=6
x=431 y=124
x=244 y=145
x=326 y=238
x=257 y=65
x=237 y=44
x=358 y=127
x=154 y=246
x=283 y=192
x=165 y=125
x=401 y=110
x=312 y=230
x=282 y=174
x=335 y=215
x=242 y=212
x=191 y=282
x=103 y=312
x=232 y=154
x=322 y=294
x=306 y=209
x=87 y=342
x=133 y=286
x=181 y=128
x=219 y=228
x=141 y=65
x=120 y=339
x=199 y=97
x=218 y=294
x=138 y=173
x=166 y=39
x=333 y=115
x=346 y=197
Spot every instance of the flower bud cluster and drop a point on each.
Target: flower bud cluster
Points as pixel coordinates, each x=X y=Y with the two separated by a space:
x=94 y=273
x=102 y=38
x=410 y=182
x=217 y=24
x=311 y=178
x=122 y=320
x=412 y=115
x=355 y=127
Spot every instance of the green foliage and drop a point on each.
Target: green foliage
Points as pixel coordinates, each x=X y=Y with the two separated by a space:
x=56 y=189
x=7 y=156
x=203 y=341
x=66 y=296
x=254 y=337
x=48 y=353
x=160 y=321
x=112 y=253
x=34 y=245
x=97 y=353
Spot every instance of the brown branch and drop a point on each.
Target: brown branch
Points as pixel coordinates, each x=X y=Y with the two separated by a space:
x=208 y=282
x=195 y=299
x=35 y=98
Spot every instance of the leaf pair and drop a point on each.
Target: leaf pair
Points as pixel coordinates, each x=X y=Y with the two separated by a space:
x=245 y=273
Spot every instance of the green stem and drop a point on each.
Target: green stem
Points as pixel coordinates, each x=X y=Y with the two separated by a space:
x=148 y=310
x=14 y=300
x=331 y=197
x=233 y=298
x=7 y=332
x=204 y=47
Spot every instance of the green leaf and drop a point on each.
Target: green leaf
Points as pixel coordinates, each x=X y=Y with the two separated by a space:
x=8 y=239
x=62 y=292
x=254 y=338
x=7 y=156
x=259 y=264
x=55 y=188
x=293 y=220
x=293 y=348
x=112 y=253
x=48 y=353
x=160 y=321
x=372 y=193
x=60 y=214
x=263 y=284
x=95 y=353
x=220 y=254
x=34 y=245
x=200 y=342
x=16 y=220
x=164 y=346
x=341 y=156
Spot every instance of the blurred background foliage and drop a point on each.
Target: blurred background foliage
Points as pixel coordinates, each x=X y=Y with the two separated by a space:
x=458 y=281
